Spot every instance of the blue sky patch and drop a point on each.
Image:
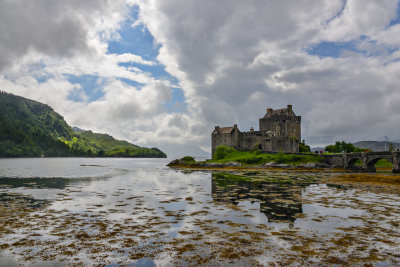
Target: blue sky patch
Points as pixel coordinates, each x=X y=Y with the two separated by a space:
x=39 y=72
x=91 y=85
x=363 y=46
x=397 y=19
x=139 y=41
x=177 y=104
x=133 y=83
x=332 y=49
x=157 y=71
x=43 y=78
x=339 y=13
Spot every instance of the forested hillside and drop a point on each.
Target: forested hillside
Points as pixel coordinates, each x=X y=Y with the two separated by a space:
x=29 y=129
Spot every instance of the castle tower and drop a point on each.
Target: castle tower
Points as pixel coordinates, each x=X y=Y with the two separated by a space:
x=283 y=123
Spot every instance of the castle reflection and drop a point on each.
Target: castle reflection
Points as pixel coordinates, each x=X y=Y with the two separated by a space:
x=277 y=202
x=54 y=183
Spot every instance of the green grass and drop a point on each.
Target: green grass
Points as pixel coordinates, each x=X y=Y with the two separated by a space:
x=257 y=157
x=383 y=163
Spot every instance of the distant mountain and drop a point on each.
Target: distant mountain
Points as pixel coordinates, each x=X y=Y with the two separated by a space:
x=29 y=129
x=313 y=149
x=77 y=130
x=377 y=145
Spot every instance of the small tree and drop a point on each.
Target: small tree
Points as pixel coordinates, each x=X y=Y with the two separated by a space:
x=222 y=151
x=303 y=147
x=340 y=147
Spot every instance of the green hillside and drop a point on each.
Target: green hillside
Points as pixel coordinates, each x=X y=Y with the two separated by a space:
x=29 y=129
x=110 y=147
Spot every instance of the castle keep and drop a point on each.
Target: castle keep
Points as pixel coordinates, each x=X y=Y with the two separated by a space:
x=279 y=131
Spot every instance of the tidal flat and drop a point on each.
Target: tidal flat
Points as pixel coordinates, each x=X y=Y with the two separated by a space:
x=138 y=212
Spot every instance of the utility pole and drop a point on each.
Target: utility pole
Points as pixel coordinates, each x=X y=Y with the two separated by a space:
x=386 y=139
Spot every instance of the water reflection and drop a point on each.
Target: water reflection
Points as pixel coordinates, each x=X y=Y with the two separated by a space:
x=140 y=213
x=8 y=200
x=47 y=183
x=277 y=202
x=55 y=183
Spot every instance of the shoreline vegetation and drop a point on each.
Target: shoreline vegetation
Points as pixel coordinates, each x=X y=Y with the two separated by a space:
x=232 y=166
x=228 y=158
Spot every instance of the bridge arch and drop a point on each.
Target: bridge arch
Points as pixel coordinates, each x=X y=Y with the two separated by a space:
x=370 y=161
x=351 y=163
x=350 y=159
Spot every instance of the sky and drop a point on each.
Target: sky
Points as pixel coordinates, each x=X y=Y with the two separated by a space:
x=164 y=73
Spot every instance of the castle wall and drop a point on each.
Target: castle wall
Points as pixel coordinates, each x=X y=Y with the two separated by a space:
x=222 y=139
x=279 y=131
x=284 y=144
x=231 y=139
x=285 y=126
x=268 y=142
x=292 y=127
x=248 y=139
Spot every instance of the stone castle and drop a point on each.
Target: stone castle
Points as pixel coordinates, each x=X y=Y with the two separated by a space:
x=279 y=131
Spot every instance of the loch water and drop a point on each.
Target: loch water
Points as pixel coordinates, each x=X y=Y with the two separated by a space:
x=139 y=212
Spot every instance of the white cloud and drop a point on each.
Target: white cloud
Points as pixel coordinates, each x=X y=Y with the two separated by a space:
x=232 y=59
x=235 y=58
x=361 y=17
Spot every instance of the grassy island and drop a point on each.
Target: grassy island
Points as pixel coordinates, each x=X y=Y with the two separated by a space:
x=224 y=154
x=230 y=157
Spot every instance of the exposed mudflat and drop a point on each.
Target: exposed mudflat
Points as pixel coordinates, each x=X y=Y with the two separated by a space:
x=142 y=214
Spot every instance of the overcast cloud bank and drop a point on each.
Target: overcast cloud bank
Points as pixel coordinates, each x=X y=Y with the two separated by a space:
x=225 y=62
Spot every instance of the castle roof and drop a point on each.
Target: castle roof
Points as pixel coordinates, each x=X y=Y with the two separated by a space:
x=279 y=112
x=223 y=130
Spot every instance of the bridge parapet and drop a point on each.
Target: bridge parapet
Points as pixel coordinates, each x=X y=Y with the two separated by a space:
x=368 y=159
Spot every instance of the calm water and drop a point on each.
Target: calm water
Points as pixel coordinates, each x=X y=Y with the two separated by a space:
x=138 y=212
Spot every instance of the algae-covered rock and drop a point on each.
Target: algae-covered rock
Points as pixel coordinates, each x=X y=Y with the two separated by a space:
x=309 y=165
x=214 y=165
x=269 y=164
x=233 y=164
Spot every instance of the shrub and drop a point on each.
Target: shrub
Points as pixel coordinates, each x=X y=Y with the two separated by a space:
x=188 y=159
x=296 y=158
x=251 y=160
x=280 y=158
x=303 y=147
x=222 y=151
x=257 y=152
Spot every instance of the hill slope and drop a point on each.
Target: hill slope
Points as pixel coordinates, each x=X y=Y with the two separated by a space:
x=109 y=147
x=377 y=145
x=29 y=128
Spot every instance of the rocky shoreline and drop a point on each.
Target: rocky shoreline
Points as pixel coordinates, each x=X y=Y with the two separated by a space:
x=179 y=163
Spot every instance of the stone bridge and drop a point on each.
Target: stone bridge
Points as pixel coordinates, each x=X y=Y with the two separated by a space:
x=368 y=159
